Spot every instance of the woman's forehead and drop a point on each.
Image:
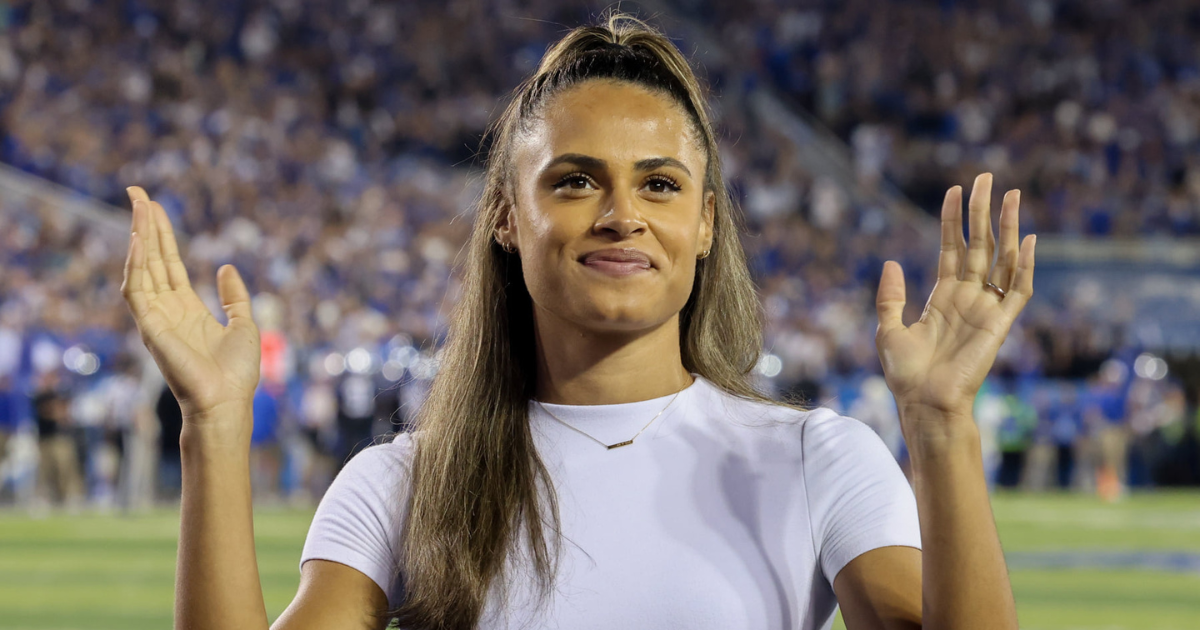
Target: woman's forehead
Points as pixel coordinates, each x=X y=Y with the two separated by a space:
x=617 y=122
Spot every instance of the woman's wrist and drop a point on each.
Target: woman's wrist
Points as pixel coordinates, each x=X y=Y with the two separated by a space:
x=934 y=434
x=224 y=431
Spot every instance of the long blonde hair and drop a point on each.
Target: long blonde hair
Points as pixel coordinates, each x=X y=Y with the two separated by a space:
x=478 y=487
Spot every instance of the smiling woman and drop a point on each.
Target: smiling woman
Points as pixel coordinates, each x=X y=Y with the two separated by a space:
x=592 y=453
x=608 y=218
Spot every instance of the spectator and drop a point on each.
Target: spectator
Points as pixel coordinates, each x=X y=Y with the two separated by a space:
x=1067 y=428
x=127 y=432
x=1108 y=395
x=265 y=453
x=9 y=421
x=58 y=468
x=356 y=415
x=170 y=467
x=1015 y=438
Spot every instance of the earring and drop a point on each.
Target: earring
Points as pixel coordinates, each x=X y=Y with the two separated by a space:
x=508 y=248
x=704 y=255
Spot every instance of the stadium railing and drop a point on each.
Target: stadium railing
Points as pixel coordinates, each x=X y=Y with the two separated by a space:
x=21 y=189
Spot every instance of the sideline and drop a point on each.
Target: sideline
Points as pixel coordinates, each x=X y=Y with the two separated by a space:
x=1178 y=562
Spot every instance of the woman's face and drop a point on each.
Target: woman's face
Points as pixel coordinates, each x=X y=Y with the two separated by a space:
x=611 y=212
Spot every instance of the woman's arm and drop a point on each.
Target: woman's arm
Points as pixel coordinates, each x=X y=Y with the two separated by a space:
x=333 y=595
x=213 y=371
x=935 y=368
x=965 y=579
x=217 y=582
x=959 y=580
x=216 y=575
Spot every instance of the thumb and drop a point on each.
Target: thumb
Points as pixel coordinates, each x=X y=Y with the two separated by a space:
x=235 y=298
x=891 y=298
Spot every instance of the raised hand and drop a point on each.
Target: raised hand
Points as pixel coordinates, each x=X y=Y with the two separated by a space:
x=939 y=363
x=209 y=367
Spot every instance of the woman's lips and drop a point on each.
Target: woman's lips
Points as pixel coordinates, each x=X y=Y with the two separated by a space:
x=614 y=268
x=617 y=262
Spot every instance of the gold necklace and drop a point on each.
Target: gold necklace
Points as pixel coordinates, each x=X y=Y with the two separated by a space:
x=618 y=444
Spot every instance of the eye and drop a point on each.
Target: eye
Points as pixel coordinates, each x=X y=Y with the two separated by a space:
x=661 y=184
x=574 y=181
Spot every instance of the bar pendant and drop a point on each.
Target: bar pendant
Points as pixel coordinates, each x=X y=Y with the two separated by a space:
x=620 y=444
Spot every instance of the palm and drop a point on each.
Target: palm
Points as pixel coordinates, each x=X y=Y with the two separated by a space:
x=205 y=364
x=188 y=340
x=941 y=360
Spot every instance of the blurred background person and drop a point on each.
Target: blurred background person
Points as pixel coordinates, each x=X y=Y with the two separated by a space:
x=356 y=415
x=1066 y=430
x=169 y=465
x=1015 y=437
x=1107 y=404
x=266 y=455
x=316 y=437
x=10 y=421
x=131 y=433
x=60 y=481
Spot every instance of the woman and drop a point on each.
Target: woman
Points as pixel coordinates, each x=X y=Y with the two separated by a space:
x=591 y=454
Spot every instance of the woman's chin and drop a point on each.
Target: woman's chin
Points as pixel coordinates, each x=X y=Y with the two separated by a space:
x=637 y=315
x=604 y=308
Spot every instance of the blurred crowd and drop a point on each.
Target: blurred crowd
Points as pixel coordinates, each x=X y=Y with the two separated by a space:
x=1091 y=107
x=331 y=150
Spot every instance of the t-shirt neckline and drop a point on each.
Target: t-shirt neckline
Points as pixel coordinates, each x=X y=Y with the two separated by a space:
x=618 y=414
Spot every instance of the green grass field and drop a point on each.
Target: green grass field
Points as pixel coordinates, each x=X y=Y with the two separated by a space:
x=109 y=572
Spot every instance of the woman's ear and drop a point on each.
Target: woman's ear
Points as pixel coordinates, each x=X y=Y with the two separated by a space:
x=505 y=231
x=707 y=214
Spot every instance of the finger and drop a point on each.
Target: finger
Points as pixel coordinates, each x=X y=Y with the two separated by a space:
x=1010 y=228
x=991 y=240
x=1022 y=287
x=890 y=300
x=979 y=218
x=131 y=285
x=235 y=298
x=143 y=218
x=176 y=271
x=136 y=193
x=953 y=246
x=142 y=227
x=154 y=259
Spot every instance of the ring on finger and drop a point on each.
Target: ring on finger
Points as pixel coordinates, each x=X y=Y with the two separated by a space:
x=1000 y=293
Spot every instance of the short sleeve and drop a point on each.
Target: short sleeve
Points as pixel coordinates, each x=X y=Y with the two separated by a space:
x=859 y=499
x=359 y=520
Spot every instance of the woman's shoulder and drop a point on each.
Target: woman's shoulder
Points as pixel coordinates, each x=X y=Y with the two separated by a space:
x=360 y=518
x=397 y=449
x=728 y=407
x=381 y=466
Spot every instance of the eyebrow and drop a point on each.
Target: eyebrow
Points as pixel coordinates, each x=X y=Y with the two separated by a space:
x=587 y=161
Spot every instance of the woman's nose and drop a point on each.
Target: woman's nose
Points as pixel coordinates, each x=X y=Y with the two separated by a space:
x=620 y=217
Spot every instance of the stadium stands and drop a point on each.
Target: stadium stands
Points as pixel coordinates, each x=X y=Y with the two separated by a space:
x=327 y=150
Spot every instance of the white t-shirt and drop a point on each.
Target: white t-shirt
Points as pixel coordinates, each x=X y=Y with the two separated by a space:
x=724 y=514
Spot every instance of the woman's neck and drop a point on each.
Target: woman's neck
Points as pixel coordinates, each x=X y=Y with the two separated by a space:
x=581 y=367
